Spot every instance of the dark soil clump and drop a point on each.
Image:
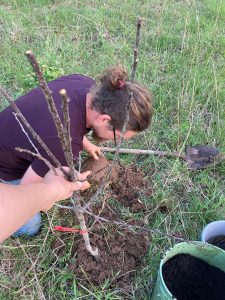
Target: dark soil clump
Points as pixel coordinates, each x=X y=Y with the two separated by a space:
x=127 y=188
x=100 y=169
x=190 y=278
x=126 y=183
x=218 y=241
x=120 y=255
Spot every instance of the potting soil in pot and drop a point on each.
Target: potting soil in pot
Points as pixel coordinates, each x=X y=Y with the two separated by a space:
x=218 y=241
x=190 y=278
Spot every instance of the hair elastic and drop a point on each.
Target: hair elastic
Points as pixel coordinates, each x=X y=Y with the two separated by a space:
x=121 y=83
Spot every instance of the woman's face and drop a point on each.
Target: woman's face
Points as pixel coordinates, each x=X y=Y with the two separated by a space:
x=104 y=133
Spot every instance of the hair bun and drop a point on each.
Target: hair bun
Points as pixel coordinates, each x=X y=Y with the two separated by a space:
x=113 y=76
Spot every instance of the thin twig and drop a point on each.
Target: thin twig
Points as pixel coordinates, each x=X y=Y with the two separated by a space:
x=3 y=181
x=132 y=227
x=38 y=155
x=67 y=136
x=136 y=49
x=24 y=131
x=134 y=67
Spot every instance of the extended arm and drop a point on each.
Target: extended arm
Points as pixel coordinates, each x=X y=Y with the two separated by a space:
x=19 y=203
x=30 y=177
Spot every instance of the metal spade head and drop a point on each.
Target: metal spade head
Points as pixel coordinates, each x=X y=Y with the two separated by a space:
x=202 y=156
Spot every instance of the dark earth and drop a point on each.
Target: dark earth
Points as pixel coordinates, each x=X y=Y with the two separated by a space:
x=218 y=241
x=190 y=278
x=126 y=183
x=129 y=188
x=120 y=256
x=121 y=251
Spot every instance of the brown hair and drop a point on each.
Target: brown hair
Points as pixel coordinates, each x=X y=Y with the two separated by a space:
x=111 y=97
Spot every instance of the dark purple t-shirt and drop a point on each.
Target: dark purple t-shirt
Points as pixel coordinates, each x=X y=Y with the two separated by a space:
x=13 y=164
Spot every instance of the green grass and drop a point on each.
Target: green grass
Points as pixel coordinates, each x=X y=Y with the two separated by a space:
x=182 y=60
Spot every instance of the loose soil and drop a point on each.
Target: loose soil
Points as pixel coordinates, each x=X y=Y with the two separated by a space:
x=190 y=278
x=129 y=187
x=126 y=183
x=120 y=256
x=121 y=251
x=218 y=241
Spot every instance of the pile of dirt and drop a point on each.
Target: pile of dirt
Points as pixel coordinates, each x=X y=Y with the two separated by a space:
x=190 y=278
x=100 y=169
x=127 y=188
x=121 y=252
x=120 y=256
x=126 y=183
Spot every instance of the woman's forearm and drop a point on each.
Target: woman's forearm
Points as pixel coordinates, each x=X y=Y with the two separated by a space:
x=20 y=203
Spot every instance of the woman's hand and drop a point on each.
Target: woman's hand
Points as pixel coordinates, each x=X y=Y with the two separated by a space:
x=63 y=188
x=92 y=149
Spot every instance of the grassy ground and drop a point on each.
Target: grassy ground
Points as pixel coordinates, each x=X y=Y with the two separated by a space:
x=182 y=60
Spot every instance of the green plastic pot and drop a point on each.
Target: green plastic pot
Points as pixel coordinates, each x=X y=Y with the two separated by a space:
x=209 y=253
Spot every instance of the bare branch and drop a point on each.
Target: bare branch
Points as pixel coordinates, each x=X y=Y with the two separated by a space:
x=136 y=49
x=24 y=131
x=133 y=227
x=38 y=155
x=76 y=196
x=80 y=216
x=126 y=225
x=50 y=101
x=141 y=151
x=67 y=136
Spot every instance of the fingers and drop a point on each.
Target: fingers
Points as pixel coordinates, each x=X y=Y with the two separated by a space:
x=84 y=184
x=58 y=172
x=99 y=152
x=80 y=186
x=83 y=176
x=80 y=176
x=96 y=153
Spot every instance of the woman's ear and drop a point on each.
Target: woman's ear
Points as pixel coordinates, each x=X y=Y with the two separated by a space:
x=104 y=118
